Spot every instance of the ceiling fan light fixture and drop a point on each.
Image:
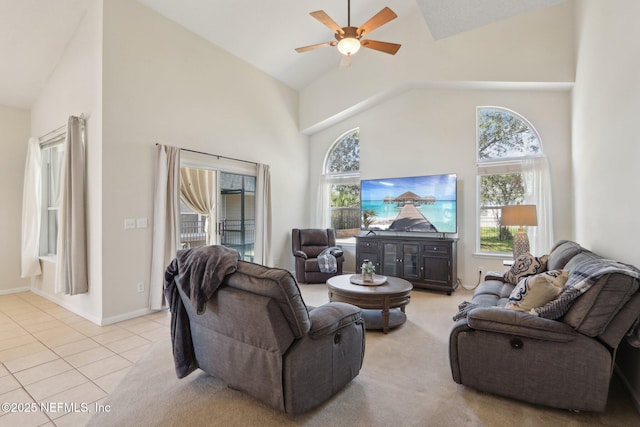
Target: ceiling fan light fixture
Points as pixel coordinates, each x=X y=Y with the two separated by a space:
x=349 y=45
x=348 y=39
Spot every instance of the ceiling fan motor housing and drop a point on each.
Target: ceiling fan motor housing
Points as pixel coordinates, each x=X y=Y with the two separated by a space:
x=349 y=32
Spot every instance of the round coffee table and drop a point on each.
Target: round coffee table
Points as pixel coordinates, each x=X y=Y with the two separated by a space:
x=378 y=302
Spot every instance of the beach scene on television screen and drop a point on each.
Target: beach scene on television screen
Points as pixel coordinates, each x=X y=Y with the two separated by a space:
x=420 y=204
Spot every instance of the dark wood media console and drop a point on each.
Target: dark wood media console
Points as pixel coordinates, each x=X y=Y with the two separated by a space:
x=428 y=263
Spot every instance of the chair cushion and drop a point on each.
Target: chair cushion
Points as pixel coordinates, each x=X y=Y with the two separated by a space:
x=492 y=293
x=591 y=313
x=314 y=241
x=525 y=265
x=275 y=283
x=561 y=253
x=314 y=237
x=311 y=265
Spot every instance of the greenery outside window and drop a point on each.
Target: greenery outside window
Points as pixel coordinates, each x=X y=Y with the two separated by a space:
x=506 y=145
x=342 y=186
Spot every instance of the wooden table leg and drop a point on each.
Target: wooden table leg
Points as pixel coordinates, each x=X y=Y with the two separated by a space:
x=385 y=314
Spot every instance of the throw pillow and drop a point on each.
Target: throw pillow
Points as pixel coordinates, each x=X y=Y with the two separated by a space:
x=525 y=265
x=536 y=291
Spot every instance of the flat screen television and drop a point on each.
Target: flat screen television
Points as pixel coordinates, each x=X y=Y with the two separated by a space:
x=410 y=204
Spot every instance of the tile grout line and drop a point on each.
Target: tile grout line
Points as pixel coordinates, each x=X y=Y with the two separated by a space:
x=38 y=310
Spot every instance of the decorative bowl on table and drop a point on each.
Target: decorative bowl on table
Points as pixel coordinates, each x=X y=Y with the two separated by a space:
x=368 y=279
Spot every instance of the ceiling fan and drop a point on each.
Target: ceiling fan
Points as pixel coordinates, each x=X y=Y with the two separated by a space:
x=349 y=39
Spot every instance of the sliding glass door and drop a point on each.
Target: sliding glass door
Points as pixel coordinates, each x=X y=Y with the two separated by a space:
x=229 y=221
x=237 y=213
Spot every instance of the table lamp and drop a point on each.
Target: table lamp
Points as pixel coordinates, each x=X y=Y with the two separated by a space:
x=519 y=215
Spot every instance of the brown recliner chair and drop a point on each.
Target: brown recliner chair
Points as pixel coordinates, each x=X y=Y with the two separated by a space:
x=306 y=245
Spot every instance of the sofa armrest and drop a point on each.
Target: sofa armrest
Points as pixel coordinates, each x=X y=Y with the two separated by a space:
x=300 y=254
x=505 y=321
x=331 y=317
x=336 y=252
x=494 y=275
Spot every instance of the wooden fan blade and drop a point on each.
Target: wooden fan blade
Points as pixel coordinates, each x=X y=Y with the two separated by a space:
x=315 y=46
x=390 y=48
x=379 y=19
x=321 y=16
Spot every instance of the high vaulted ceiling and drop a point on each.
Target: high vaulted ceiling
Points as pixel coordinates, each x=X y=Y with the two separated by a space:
x=34 y=33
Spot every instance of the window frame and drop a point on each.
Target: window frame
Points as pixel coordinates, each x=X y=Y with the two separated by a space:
x=48 y=242
x=337 y=178
x=499 y=166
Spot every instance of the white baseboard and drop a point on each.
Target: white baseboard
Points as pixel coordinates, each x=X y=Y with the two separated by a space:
x=67 y=306
x=15 y=290
x=126 y=316
x=91 y=318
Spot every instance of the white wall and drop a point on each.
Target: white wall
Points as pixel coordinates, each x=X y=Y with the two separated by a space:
x=534 y=47
x=433 y=131
x=74 y=88
x=143 y=80
x=606 y=143
x=163 y=84
x=14 y=134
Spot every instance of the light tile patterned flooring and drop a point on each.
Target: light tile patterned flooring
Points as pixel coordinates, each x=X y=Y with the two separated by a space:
x=57 y=368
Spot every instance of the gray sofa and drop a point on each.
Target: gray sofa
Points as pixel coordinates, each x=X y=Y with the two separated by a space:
x=257 y=335
x=565 y=362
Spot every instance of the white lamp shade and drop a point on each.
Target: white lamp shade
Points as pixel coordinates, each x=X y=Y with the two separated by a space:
x=349 y=45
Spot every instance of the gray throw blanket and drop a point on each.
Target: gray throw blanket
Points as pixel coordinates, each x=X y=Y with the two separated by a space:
x=327 y=262
x=582 y=277
x=199 y=272
x=463 y=309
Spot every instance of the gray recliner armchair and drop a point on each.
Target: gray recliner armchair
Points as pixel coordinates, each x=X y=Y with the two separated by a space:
x=306 y=245
x=258 y=336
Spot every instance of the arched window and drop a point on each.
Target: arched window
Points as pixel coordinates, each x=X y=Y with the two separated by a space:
x=512 y=169
x=341 y=186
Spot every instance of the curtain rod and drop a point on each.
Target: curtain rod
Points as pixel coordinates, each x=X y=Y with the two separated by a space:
x=43 y=138
x=216 y=155
x=53 y=132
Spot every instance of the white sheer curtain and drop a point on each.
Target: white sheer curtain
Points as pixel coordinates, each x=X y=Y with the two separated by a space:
x=321 y=213
x=539 y=192
x=31 y=215
x=262 y=248
x=71 y=264
x=166 y=220
x=198 y=190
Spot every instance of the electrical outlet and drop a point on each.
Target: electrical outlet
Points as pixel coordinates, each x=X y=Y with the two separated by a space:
x=140 y=286
x=480 y=269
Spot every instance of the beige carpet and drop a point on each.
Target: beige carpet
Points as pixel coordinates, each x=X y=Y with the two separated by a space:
x=405 y=381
